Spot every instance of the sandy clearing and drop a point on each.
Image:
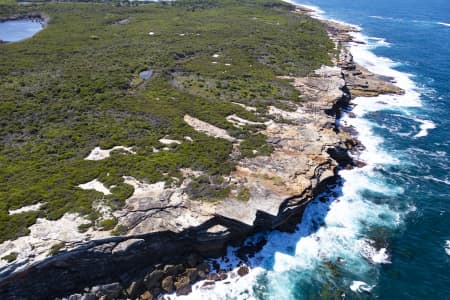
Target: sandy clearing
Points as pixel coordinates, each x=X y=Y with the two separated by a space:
x=95 y=185
x=208 y=129
x=98 y=154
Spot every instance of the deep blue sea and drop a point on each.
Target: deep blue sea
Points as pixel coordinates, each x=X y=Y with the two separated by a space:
x=384 y=232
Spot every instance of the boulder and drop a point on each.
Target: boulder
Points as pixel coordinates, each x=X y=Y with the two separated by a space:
x=134 y=289
x=75 y=297
x=213 y=277
x=183 y=285
x=172 y=270
x=167 y=284
x=204 y=266
x=243 y=270
x=88 y=296
x=146 y=296
x=110 y=291
x=222 y=275
x=153 y=279
x=184 y=290
x=208 y=284
x=192 y=273
x=182 y=280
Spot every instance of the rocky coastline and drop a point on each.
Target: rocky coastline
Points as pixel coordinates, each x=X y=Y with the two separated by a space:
x=164 y=253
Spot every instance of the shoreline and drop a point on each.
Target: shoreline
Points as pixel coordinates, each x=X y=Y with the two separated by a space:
x=41 y=18
x=296 y=215
x=343 y=33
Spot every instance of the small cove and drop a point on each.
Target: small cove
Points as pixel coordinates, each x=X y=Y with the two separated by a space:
x=19 y=29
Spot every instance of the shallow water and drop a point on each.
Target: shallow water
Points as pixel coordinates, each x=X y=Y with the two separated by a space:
x=17 y=30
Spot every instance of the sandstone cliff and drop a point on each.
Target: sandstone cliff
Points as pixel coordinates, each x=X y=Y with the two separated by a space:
x=163 y=225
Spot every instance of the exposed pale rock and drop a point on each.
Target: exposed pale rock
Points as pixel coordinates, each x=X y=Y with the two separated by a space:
x=169 y=141
x=95 y=185
x=249 y=108
x=142 y=189
x=33 y=207
x=208 y=129
x=43 y=235
x=288 y=115
x=98 y=154
x=239 y=122
x=154 y=207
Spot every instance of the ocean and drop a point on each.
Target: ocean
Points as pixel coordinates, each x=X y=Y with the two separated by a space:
x=384 y=231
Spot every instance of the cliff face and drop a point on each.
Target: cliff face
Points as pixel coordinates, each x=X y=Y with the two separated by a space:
x=164 y=225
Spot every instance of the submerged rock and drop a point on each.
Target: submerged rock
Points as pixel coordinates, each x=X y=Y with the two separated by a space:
x=242 y=271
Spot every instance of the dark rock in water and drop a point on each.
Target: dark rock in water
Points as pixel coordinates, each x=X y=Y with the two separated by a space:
x=184 y=290
x=75 y=297
x=213 y=277
x=111 y=290
x=242 y=271
x=170 y=270
x=88 y=297
x=204 y=267
x=192 y=273
x=216 y=266
x=208 y=284
x=153 y=279
x=167 y=284
x=134 y=289
x=183 y=286
x=223 y=275
x=156 y=291
x=147 y=296
x=146 y=74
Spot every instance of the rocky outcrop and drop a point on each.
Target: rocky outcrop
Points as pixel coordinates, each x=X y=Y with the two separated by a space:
x=163 y=225
x=164 y=233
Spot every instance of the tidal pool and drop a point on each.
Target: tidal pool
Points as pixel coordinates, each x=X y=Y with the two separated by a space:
x=146 y=74
x=17 y=30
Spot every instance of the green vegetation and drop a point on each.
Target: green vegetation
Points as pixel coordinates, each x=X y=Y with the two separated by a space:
x=244 y=194
x=108 y=224
x=73 y=87
x=255 y=145
x=56 y=248
x=10 y=257
x=209 y=188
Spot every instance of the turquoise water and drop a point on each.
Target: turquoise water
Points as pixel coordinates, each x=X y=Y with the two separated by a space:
x=17 y=30
x=384 y=231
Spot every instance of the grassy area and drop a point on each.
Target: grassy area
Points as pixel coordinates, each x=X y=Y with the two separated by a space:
x=74 y=86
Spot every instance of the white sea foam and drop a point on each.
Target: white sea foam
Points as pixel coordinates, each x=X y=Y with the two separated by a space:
x=445 y=181
x=331 y=230
x=360 y=286
x=363 y=55
x=447 y=247
x=444 y=24
x=379 y=42
x=369 y=251
x=425 y=125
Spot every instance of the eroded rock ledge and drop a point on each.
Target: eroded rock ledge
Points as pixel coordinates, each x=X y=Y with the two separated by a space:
x=164 y=226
